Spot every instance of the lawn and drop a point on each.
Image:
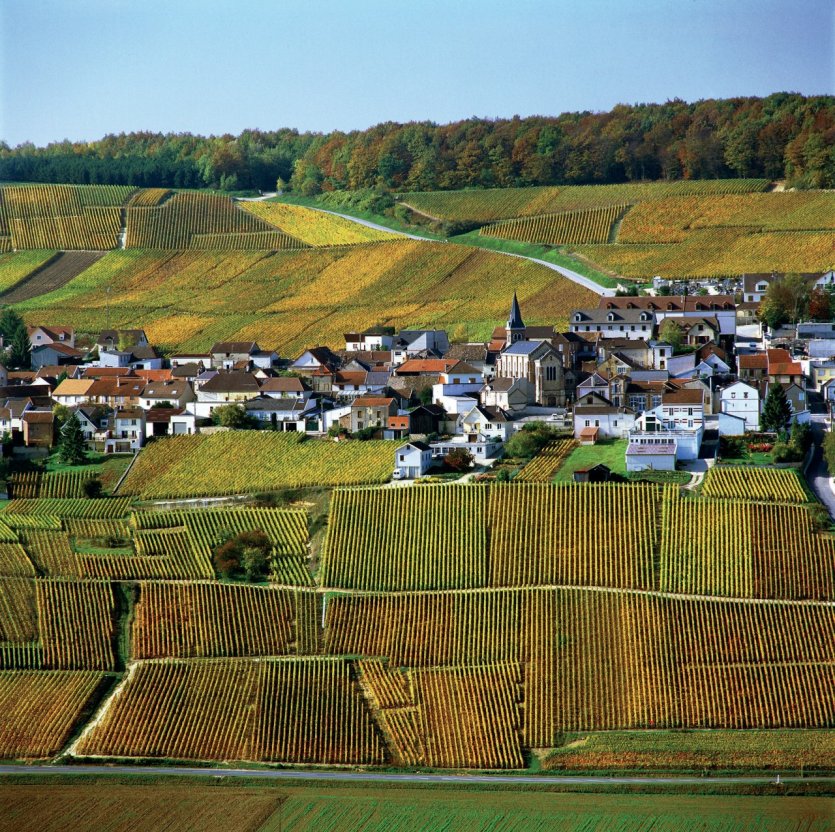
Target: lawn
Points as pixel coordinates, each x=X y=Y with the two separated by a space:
x=611 y=452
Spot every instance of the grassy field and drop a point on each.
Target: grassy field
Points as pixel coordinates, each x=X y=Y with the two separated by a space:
x=142 y=804
x=609 y=452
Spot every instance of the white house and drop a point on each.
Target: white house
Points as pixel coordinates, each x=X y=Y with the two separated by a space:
x=743 y=401
x=176 y=391
x=485 y=422
x=611 y=422
x=651 y=429
x=377 y=339
x=412 y=460
x=462 y=373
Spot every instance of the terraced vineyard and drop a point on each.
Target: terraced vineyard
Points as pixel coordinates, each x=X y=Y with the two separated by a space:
x=592 y=225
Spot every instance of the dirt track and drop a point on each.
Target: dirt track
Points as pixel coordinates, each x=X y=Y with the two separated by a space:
x=52 y=275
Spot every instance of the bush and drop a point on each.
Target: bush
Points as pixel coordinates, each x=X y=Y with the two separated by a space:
x=821 y=521
x=459 y=459
x=528 y=442
x=92 y=488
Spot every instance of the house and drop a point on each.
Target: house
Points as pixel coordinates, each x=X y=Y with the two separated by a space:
x=38 y=429
x=425 y=419
x=114 y=339
x=316 y=359
x=371 y=411
x=822 y=370
x=177 y=392
x=637 y=324
x=475 y=355
x=54 y=353
x=224 y=387
x=412 y=460
x=683 y=408
x=828 y=390
x=41 y=335
x=720 y=307
x=485 y=423
x=611 y=422
x=509 y=394
x=660 y=456
x=540 y=365
x=93 y=420
x=376 y=338
x=483 y=450
x=139 y=356
x=189 y=372
x=461 y=373
x=697 y=330
x=228 y=355
x=410 y=342
x=182 y=358
x=169 y=421
x=73 y=391
x=283 y=387
x=754 y=286
x=122 y=391
x=424 y=366
x=126 y=430
x=652 y=428
x=286 y=414
x=796 y=395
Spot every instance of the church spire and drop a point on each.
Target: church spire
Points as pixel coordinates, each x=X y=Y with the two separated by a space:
x=515 y=330
x=515 y=320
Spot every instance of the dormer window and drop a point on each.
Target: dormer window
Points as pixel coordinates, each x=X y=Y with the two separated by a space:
x=578 y=317
x=611 y=316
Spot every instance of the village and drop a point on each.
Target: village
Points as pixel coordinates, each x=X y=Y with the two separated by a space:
x=667 y=375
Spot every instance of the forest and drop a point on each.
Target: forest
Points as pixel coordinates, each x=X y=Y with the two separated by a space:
x=784 y=136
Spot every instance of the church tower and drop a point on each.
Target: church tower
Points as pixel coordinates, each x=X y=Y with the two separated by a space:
x=515 y=330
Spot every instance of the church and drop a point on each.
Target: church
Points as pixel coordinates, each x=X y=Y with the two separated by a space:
x=529 y=356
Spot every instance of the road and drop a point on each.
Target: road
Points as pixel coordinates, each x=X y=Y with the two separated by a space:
x=576 y=277
x=817 y=474
x=386 y=777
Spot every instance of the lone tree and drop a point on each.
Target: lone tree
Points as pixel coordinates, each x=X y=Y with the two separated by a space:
x=670 y=332
x=777 y=412
x=71 y=445
x=247 y=553
x=459 y=459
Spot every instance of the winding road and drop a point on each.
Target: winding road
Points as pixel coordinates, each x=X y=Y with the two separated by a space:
x=388 y=777
x=576 y=277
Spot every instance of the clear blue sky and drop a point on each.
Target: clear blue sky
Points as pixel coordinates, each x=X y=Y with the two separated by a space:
x=79 y=69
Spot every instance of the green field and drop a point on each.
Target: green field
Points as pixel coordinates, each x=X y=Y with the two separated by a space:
x=608 y=452
x=142 y=804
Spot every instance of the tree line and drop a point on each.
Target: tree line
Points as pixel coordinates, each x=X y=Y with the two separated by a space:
x=784 y=136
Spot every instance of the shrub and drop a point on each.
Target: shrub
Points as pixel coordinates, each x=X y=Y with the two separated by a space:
x=92 y=488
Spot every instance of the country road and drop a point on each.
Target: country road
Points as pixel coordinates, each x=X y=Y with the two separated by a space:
x=387 y=777
x=817 y=474
x=561 y=270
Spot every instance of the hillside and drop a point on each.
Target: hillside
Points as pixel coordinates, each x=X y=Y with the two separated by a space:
x=292 y=300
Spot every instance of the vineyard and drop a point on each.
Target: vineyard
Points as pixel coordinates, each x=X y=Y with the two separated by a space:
x=315 y=228
x=41 y=708
x=329 y=290
x=62 y=216
x=717 y=252
x=15 y=267
x=671 y=220
x=101 y=509
x=246 y=462
x=768 y=484
x=293 y=710
x=547 y=462
x=195 y=220
x=592 y=225
x=485 y=206
x=448 y=626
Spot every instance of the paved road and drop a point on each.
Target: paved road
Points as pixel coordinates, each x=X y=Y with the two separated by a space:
x=384 y=777
x=567 y=273
x=817 y=474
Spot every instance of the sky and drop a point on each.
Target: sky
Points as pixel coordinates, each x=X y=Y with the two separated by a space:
x=80 y=69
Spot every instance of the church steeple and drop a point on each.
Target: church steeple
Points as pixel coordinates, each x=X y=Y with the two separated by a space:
x=515 y=330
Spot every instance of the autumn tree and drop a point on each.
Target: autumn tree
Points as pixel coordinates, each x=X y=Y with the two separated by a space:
x=670 y=332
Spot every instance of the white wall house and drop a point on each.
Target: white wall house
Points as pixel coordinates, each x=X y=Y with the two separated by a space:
x=741 y=400
x=412 y=460
x=611 y=422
